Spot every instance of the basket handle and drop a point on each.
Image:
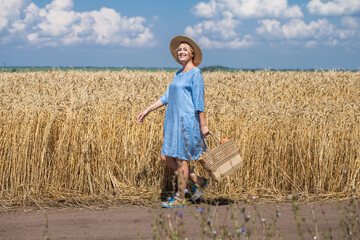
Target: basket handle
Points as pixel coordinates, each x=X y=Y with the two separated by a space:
x=217 y=140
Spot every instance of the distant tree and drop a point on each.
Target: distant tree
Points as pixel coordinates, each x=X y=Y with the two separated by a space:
x=215 y=68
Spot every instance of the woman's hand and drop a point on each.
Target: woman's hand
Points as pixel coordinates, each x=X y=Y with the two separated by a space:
x=141 y=116
x=156 y=105
x=203 y=126
x=204 y=130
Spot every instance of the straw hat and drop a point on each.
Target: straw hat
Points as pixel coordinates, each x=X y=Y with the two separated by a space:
x=176 y=41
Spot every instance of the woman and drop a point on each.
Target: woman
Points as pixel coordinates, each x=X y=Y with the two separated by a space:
x=184 y=125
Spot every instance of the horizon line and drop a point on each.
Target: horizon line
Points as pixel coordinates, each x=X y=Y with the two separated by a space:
x=210 y=67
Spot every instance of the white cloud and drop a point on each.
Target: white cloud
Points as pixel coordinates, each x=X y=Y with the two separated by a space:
x=58 y=25
x=295 y=29
x=248 y=9
x=311 y=34
x=224 y=28
x=350 y=22
x=9 y=11
x=235 y=43
x=219 y=34
x=334 y=7
x=277 y=22
x=223 y=17
x=350 y=28
x=207 y=10
x=225 y=23
x=65 y=5
x=311 y=44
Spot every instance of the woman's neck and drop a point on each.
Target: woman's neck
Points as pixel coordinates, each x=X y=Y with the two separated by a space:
x=188 y=66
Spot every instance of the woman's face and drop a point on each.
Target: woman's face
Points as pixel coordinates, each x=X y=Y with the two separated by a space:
x=184 y=53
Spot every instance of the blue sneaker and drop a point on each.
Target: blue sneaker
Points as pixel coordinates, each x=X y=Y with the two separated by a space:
x=174 y=202
x=198 y=189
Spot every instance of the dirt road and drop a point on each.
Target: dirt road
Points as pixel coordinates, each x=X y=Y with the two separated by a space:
x=137 y=222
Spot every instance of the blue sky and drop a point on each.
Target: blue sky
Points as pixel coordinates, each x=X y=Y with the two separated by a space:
x=255 y=34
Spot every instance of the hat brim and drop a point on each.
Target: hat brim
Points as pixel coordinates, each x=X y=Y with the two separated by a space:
x=176 y=41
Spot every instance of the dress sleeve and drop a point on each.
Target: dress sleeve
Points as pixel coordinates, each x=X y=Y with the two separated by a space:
x=198 y=92
x=164 y=98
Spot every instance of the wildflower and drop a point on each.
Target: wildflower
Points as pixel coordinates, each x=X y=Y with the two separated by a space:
x=180 y=214
x=263 y=220
x=200 y=210
x=208 y=221
x=186 y=190
x=242 y=230
x=278 y=214
x=214 y=232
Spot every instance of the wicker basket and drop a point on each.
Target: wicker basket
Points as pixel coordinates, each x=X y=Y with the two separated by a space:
x=221 y=161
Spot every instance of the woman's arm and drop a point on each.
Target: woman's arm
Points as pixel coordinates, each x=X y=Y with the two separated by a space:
x=153 y=107
x=203 y=126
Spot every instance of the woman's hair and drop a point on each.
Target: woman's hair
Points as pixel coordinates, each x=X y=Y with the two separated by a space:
x=189 y=46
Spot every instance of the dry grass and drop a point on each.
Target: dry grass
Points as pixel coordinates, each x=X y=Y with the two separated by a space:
x=71 y=137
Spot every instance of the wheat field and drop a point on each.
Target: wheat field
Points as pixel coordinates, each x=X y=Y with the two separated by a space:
x=72 y=137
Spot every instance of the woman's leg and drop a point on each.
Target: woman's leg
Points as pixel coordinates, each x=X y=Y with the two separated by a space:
x=193 y=177
x=183 y=176
x=171 y=163
x=184 y=173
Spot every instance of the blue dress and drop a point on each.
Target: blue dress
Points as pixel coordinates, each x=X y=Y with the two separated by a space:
x=184 y=98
